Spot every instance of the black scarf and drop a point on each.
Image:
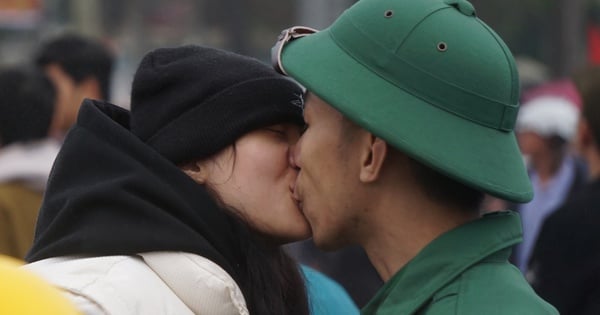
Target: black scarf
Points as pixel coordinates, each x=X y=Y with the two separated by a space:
x=111 y=194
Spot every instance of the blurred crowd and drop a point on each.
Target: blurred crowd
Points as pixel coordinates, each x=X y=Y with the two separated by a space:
x=558 y=132
x=40 y=102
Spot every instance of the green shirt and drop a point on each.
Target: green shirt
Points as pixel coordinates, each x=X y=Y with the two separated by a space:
x=464 y=271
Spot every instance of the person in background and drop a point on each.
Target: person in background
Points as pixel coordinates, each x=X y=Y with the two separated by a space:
x=180 y=206
x=27 y=99
x=350 y=267
x=80 y=68
x=410 y=115
x=545 y=127
x=565 y=265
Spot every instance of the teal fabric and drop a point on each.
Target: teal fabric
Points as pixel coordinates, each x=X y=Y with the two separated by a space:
x=464 y=271
x=325 y=296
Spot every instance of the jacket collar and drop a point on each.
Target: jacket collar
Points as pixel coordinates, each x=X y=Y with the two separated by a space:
x=444 y=259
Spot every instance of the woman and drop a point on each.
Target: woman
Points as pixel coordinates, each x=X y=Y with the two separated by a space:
x=133 y=221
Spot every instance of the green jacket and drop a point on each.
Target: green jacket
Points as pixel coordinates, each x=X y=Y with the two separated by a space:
x=464 y=271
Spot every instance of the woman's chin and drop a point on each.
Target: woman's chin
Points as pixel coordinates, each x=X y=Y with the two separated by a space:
x=292 y=236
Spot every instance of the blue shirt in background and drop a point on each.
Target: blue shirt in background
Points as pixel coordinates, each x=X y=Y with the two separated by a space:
x=327 y=297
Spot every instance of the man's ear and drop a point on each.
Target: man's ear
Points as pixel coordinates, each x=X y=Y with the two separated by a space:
x=196 y=171
x=372 y=161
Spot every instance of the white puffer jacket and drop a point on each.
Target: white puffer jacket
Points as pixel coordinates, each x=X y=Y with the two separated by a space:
x=170 y=283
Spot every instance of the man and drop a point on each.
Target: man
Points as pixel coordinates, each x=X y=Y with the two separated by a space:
x=410 y=113
x=565 y=263
x=79 y=68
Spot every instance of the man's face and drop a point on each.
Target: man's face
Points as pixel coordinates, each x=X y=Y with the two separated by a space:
x=327 y=175
x=69 y=96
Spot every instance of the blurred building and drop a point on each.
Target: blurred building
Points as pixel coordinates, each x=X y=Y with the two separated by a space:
x=133 y=27
x=553 y=32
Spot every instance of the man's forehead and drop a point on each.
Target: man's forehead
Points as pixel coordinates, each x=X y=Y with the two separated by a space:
x=314 y=102
x=309 y=96
x=309 y=100
x=316 y=106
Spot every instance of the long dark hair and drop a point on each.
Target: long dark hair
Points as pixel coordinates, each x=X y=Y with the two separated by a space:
x=272 y=282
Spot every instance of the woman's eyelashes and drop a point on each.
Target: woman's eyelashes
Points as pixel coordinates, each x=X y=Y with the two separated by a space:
x=281 y=133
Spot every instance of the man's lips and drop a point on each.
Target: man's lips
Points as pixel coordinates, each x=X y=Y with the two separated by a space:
x=296 y=196
x=298 y=201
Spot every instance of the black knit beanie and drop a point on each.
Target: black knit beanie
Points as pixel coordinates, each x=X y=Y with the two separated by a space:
x=190 y=102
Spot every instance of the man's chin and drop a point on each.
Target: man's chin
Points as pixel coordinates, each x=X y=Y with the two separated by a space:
x=328 y=244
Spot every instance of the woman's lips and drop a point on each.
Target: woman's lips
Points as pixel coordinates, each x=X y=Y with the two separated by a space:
x=297 y=194
x=297 y=199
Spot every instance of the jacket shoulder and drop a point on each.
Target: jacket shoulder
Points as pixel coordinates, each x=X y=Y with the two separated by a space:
x=493 y=288
x=114 y=284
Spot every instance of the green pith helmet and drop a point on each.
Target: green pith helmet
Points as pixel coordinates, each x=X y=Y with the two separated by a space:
x=427 y=76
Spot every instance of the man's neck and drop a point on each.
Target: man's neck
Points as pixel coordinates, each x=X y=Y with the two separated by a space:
x=401 y=227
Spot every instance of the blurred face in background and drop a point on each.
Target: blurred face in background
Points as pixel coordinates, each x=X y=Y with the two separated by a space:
x=69 y=96
x=255 y=178
x=532 y=145
x=544 y=152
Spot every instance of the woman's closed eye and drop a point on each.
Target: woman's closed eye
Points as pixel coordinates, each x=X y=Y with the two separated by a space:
x=277 y=131
x=286 y=132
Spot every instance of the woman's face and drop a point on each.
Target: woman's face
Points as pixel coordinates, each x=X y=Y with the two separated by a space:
x=255 y=177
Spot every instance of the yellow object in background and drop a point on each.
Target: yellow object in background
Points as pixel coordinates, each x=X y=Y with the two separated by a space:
x=24 y=293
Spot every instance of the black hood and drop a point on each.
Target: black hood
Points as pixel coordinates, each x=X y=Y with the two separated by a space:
x=111 y=194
